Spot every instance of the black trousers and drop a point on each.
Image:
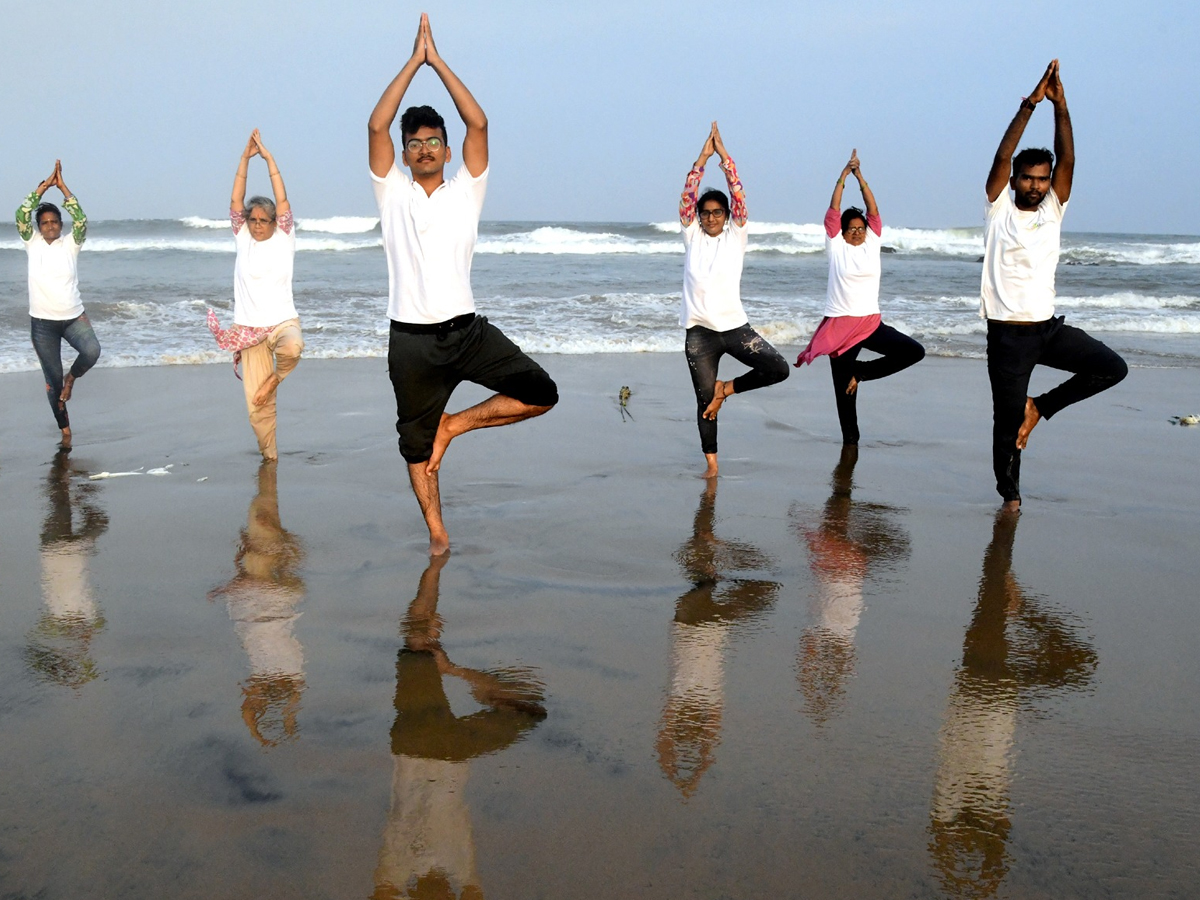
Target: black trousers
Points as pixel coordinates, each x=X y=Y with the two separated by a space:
x=898 y=351
x=704 y=349
x=1013 y=349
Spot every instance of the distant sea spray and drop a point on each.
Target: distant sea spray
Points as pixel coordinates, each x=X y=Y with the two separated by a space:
x=575 y=287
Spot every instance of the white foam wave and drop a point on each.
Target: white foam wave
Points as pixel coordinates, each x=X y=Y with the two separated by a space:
x=201 y=222
x=124 y=245
x=552 y=239
x=1138 y=254
x=339 y=224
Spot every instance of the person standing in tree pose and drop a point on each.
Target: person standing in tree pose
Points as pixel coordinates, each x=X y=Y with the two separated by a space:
x=714 y=238
x=429 y=229
x=55 y=307
x=1021 y=239
x=266 y=329
x=852 y=321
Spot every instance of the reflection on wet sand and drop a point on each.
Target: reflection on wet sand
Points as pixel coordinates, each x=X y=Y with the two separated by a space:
x=1016 y=652
x=428 y=849
x=691 y=722
x=846 y=541
x=262 y=599
x=59 y=646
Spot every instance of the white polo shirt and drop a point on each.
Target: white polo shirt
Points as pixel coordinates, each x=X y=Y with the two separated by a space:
x=54 y=277
x=712 y=277
x=1020 y=255
x=853 y=288
x=262 y=278
x=429 y=241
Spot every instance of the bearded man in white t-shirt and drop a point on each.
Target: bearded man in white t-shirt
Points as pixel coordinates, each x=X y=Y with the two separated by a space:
x=1021 y=241
x=429 y=229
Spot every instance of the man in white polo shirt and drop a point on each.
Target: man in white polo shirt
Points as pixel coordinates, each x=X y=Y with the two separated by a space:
x=1021 y=241
x=429 y=228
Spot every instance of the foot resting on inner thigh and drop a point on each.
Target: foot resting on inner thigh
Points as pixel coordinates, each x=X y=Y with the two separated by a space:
x=1032 y=417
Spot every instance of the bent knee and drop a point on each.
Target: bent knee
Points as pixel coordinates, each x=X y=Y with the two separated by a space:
x=778 y=370
x=533 y=388
x=1118 y=370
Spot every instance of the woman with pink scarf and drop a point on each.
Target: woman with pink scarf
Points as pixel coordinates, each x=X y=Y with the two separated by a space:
x=852 y=322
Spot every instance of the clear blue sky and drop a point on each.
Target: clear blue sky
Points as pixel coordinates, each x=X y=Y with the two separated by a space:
x=597 y=109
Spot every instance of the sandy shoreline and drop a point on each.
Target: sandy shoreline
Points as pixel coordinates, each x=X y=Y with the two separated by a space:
x=796 y=715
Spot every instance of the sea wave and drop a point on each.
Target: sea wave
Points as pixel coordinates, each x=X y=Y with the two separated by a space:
x=553 y=239
x=339 y=224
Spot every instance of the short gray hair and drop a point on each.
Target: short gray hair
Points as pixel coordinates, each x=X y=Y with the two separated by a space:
x=266 y=205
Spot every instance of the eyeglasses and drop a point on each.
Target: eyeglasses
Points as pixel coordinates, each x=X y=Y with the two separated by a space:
x=856 y=229
x=717 y=213
x=412 y=145
x=259 y=221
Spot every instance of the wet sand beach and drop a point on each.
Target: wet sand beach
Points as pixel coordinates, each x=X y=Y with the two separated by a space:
x=825 y=675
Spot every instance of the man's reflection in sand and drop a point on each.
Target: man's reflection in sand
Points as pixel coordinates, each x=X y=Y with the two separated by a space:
x=262 y=599
x=691 y=722
x=848 y=540
x=1016 y=652
x=428 y=850
x=59 y=648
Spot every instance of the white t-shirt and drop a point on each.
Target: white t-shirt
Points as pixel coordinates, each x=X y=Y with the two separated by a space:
x=54 y=277
x=429 y=241
x=1020 y=254
x=262 y=278
x=853 y=276
x=712 y=277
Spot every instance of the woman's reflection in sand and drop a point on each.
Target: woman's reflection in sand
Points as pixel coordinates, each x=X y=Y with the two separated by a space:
x=1017 y=651
x=848 y=540
x=262 y=599
x=59 y=648
x=691 y=722
x=428 y=849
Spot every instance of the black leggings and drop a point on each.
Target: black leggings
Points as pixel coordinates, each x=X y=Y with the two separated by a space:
x=897 y=351
x=704 y=349
x=1012 y=351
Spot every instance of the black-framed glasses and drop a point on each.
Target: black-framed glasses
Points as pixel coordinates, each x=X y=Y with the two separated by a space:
x=717 y=213
x=412 y=145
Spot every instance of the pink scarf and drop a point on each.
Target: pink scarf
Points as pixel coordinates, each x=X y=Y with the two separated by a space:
x=237 y=338
x=837 y=334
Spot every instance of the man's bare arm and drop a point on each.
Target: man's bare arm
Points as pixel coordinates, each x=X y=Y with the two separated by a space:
x=1001 y=171
x=382 y=151
x=475 y=144
x=1064 y=139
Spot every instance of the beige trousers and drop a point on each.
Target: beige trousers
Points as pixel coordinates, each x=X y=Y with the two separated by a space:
x=276 y=355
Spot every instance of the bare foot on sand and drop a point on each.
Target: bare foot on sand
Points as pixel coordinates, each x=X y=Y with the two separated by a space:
x=439 y=542
x=1009 y=507
x=1032 y=417
x=68 y=383
x=267 y=390
x=722 y=390
x=440 y=442
x=852 y=387
x=65 y=443
x=711 y=471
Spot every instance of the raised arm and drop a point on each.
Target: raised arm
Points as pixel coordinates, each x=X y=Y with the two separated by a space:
x=71 y=205
x=237 y=199
x=835 y=202
x=691 y=186
x=1001 y=171
x=737 y=194
x=475 y=144
x=282 y=207
x=25 y=224
x=381 y=150
x=867 y=193
x=1064 y=139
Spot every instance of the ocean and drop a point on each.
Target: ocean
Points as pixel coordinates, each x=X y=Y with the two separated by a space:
x=595 y=288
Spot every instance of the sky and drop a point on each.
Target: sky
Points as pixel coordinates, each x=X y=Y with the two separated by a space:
x=597 y=109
